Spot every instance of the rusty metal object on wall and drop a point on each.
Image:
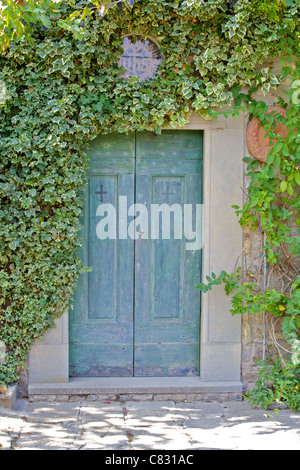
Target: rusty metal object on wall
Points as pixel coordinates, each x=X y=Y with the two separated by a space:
x=257 y=139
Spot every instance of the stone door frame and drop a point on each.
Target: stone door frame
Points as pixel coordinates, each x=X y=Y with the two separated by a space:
x=220 y=342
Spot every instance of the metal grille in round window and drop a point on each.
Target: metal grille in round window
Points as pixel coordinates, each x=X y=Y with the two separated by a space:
x=140 y=59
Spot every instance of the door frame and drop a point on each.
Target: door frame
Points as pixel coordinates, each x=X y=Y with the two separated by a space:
x=220 y=332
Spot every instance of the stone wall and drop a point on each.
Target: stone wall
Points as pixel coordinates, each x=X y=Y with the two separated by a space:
x=253 y=327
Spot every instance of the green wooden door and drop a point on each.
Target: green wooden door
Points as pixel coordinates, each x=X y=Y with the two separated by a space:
x=101 y=322
x=167 y=303
x=138 y=312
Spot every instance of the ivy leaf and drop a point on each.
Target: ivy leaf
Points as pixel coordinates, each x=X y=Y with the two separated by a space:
x=235 y=90
x=45 y=20
x=266 y=88
x=270 y=158
x=283 y=186
x=277 y=147
x=290 y=190
x=276 y=162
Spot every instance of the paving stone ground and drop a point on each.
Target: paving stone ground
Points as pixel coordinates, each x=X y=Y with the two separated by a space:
x=133 y=426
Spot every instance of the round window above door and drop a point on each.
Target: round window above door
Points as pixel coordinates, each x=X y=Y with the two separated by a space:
x=140 y=58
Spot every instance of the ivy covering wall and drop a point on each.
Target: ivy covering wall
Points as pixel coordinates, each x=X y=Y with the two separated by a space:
x=61 y=90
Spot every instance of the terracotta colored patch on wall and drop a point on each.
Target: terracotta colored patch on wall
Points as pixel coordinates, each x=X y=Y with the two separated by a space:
x=257 y=139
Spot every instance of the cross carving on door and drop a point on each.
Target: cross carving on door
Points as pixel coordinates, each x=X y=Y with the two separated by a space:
x=168 y=193
x=101 y=192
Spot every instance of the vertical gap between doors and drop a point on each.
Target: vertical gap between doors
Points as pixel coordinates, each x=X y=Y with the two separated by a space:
x=134 y=241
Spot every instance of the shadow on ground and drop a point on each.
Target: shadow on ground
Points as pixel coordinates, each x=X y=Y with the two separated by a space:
x=149 y=425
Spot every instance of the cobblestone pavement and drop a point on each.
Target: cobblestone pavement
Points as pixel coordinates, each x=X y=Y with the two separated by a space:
x=132 y=426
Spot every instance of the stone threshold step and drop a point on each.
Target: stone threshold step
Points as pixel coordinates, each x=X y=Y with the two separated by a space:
x=147 y=388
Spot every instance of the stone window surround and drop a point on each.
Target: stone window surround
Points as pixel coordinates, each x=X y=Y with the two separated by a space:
x=220 y=342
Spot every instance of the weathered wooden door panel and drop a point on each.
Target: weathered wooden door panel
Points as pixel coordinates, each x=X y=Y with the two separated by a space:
x=101 y=333
x=179 y=145
x=166 y=359
x=138 y=312
x=167 y=304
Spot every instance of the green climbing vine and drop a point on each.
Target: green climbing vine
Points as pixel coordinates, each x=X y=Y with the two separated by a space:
x=273 y=288
x=60 y=86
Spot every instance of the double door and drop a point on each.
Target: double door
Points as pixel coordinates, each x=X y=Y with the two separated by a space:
x=137 y=313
